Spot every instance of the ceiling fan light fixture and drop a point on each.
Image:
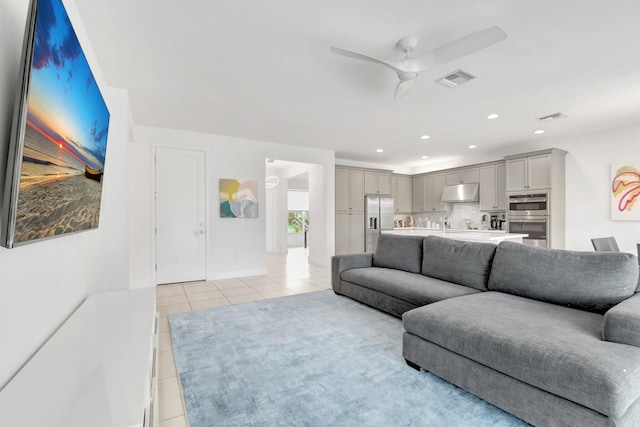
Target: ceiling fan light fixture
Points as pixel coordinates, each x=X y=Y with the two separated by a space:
x=407 y=44
x=409 y=75
x=538 y=132
x=551 y=117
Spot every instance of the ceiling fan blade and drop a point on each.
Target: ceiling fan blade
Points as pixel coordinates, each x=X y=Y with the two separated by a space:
x=402 y=89
x=363 y=57
x=456 y=49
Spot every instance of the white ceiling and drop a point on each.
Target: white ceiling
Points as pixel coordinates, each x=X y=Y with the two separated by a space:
x=263 y=70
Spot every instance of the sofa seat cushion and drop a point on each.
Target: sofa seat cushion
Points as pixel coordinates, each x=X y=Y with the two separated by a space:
x=554 y=348
x=464 y=263
x=413 y=288
x=594 y=281
x=399 y=252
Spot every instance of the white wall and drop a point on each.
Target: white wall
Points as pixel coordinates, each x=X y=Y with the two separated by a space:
x=235 y=247
x=140 y=221
x=588 y=168
x=42 y=283
x=276 y=214
x=321 y=197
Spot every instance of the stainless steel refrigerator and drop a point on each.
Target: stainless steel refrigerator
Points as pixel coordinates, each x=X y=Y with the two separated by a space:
x=378 y=216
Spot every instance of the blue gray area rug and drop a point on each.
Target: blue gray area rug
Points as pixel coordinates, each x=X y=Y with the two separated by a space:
x=314 y=359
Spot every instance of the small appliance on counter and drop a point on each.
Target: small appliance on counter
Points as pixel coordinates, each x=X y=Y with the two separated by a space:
x=497 y=222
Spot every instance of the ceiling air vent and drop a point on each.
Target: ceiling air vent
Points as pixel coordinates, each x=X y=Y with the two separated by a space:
x=455 y=79
x=550 y=117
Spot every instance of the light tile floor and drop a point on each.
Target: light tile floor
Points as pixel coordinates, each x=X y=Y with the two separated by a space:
x=286 y=275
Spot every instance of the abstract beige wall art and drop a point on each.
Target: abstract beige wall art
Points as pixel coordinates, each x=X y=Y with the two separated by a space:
x=625 y=191
x=238 y=198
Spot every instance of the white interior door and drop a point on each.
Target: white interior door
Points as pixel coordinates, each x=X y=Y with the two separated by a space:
x=180 y=215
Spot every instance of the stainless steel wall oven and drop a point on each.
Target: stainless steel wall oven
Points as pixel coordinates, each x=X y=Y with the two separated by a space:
x=529 y=214
x=529 y=204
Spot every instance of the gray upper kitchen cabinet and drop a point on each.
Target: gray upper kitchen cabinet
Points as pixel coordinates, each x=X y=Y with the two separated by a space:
x=501 y=186
x=493 y=191
x=418 y=194
x=349 y=190
x=377 y=182
x=427 y=192
x=463 y=176
x=433 y=188
x=529 y=173
x=342 y=189
x=401 y=190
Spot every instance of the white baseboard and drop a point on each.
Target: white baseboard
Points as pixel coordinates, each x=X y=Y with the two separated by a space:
x=237 y=274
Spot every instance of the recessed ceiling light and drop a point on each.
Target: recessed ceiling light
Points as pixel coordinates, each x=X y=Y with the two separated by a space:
x=493 y=116
x=473 y=146
x=379 y=150
x=425 y=137
x=424 y=157
x=538 y=132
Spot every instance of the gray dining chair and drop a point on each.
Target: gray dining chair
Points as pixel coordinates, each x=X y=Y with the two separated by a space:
x=605 y=244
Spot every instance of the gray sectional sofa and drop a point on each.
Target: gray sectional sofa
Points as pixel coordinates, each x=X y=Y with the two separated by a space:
x=551 y=336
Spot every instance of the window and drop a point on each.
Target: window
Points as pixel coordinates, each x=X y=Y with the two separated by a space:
x=298 y=221
x=298 y=205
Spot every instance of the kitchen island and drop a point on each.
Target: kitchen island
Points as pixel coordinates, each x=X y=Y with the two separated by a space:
x=491 y=236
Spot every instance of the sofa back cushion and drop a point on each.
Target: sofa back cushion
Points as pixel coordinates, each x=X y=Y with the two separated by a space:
x=593 y=281
x=464 y=263
x=398 y=252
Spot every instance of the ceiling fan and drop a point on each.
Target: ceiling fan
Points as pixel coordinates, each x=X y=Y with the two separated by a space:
x=409 y=68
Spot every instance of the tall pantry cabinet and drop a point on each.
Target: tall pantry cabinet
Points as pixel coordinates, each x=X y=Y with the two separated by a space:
x=349 y=210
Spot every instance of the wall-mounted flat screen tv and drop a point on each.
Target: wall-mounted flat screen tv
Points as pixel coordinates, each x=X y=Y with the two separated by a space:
x=59 y=136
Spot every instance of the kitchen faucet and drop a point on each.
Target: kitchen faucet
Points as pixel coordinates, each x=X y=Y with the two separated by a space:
x=445 y=224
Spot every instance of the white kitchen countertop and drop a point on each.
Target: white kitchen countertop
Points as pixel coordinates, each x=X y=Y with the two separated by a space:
x=491 y=236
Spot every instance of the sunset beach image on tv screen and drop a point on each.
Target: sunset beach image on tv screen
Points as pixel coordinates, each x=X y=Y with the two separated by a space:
x=65 y=137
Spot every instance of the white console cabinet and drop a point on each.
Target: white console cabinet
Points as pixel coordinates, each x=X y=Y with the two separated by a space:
x=97 y=370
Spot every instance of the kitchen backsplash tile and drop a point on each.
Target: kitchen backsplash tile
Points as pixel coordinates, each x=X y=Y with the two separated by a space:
x=456 y=217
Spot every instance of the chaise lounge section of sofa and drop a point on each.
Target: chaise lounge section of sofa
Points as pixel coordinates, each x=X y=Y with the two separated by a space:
x=553 y=341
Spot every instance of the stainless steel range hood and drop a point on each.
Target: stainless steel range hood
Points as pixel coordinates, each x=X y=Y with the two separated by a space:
x=460 y=193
